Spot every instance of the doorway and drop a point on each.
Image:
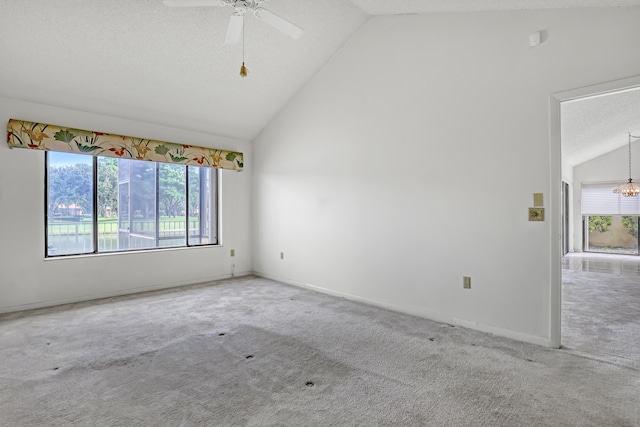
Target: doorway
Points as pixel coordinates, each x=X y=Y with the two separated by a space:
x=599 y=289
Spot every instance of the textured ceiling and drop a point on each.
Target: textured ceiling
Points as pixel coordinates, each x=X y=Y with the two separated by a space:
x=398 y=7
x=143 y=61
x=594 y=126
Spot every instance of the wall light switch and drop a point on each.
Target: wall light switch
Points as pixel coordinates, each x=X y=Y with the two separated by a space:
x=233 y=252
x=536 y=214
x=538 y=200
x=466 y=282
x=281 y=255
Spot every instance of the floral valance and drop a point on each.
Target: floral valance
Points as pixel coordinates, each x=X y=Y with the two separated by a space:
x=38 y=136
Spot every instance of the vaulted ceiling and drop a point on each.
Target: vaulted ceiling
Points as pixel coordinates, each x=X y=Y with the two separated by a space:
x=141 y=60
x=396 y=7
x=144 y=61
x=596 y=125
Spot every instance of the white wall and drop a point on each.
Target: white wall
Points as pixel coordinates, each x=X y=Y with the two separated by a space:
x=610 y=167
x=423 y=124
x=567 y=172
x=27 y=280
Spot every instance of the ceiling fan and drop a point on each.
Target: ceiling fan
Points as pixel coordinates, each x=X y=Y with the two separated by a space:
x=236 y=23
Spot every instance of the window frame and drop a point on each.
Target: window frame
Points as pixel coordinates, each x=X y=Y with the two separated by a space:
x=213 y=215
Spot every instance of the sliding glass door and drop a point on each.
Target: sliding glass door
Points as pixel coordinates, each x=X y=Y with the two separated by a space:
x=616 y=234
x=610 y=220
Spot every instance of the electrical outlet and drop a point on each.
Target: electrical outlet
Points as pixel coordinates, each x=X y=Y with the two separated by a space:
x=466 y=282
x=233 y=252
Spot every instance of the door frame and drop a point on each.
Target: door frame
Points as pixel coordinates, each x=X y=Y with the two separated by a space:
x=566 y=217
x=555 y=206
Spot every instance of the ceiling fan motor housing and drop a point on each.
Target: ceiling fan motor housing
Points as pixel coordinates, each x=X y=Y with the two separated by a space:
x=241 y=6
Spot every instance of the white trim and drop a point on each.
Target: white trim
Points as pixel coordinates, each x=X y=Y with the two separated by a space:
x=118 y=293
x=555 y=223
x=125 y=252
x=598 y=89
x=555 y=213
x=418 y=312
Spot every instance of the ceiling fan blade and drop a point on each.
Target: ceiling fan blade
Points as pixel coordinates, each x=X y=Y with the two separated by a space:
x=191 y=3
x=279 y=23
x=234 y=30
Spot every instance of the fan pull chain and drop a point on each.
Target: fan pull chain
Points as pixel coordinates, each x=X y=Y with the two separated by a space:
x=243 y=69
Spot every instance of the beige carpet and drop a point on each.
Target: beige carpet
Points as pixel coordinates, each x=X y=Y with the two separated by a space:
x=253 y=352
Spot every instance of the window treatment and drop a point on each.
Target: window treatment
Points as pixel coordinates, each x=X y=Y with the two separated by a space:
x=599 y=199
x=39 y=136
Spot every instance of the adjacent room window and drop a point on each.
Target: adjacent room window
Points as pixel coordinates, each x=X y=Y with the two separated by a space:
x=610 y=220
x=105 y=204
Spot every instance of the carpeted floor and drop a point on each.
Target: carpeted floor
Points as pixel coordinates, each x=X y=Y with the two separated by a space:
x=253 y=352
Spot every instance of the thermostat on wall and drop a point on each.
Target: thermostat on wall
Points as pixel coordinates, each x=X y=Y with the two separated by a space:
x=534 y=39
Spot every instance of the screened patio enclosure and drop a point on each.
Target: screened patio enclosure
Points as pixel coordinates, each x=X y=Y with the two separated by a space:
x=151 y=211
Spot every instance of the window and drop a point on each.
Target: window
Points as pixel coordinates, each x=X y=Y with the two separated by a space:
x=104 y=204
x=599 y=199
x=610 y=220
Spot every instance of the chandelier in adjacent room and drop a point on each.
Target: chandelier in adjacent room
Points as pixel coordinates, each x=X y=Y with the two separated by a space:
x=629 y=188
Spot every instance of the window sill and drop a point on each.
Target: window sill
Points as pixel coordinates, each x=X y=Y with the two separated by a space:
x=132 y=252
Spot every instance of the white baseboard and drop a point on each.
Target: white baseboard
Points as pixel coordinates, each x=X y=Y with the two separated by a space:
x=419 y=312
x=121 y=292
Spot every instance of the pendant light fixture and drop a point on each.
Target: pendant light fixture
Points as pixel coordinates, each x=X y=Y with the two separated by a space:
x=629 y=188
